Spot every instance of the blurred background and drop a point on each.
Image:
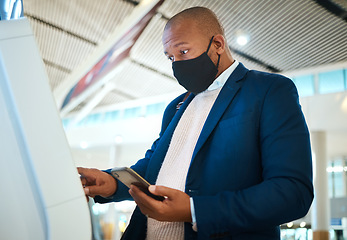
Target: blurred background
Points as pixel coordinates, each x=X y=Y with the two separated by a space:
x=112 y=82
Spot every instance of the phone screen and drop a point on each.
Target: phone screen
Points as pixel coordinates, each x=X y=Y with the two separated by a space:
x=128 y=176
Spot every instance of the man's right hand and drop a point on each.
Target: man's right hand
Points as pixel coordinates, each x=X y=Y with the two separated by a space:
x=96 y=182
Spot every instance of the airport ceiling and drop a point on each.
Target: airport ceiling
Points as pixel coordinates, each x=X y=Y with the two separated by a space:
x=283 y=36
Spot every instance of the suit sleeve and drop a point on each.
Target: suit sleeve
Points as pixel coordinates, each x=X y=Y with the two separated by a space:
x=286 y=191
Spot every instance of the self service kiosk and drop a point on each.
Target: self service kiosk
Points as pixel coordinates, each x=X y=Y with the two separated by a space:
x=41 y=196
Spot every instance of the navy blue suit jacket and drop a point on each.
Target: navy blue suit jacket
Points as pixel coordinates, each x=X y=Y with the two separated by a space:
x=251 y=168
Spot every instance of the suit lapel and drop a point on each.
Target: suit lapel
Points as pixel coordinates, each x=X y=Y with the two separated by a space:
x=223 y=100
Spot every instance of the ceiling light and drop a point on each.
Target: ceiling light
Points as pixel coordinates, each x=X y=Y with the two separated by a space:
x=302 y=224
x=118 y=139
x=290 y=224
x=84 y=144
x=242 y=38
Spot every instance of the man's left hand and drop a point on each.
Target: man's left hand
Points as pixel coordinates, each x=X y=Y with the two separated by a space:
x=175 y=207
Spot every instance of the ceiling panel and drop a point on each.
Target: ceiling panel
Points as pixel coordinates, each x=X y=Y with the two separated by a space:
x=148 y=49
x=284 y=36
x=55 y=75
x=90 y=19
x=341 y=3
x=60 y=48
x=69 y=31
x=145 y=81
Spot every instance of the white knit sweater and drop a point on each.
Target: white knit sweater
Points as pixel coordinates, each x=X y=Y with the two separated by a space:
x=175 y=167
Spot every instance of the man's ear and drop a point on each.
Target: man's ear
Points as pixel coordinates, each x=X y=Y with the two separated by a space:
x=219 y=43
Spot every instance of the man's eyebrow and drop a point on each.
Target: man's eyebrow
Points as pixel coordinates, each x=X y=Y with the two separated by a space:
x=177 y=45
x=180 y=43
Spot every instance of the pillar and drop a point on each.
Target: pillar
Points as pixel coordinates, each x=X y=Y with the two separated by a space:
x=320 y=206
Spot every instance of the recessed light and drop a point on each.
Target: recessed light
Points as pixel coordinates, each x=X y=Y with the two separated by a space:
x=242 y=38
x=84 y=144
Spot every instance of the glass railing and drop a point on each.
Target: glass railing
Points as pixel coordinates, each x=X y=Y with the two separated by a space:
x=121 y=114
x=321 y=83
x=307 y=85
x=11 y=9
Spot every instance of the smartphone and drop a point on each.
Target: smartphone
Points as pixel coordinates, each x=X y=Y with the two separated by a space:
x=128 y=176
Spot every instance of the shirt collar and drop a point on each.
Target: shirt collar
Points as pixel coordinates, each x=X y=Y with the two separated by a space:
x=223 y=77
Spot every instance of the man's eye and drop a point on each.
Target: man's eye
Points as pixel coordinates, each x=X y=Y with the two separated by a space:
x=184 y=51
x=170 y=58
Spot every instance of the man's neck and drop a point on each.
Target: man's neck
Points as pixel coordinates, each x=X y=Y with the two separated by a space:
x=225 y=63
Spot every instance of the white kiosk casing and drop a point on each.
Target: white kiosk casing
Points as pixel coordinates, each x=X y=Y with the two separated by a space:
x=41 y=196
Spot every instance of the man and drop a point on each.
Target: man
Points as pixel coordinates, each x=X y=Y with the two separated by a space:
x=234 y=162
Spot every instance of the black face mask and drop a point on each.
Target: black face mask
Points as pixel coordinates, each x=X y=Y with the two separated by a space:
x=196 y=74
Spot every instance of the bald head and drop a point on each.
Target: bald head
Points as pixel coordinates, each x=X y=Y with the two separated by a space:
x=189 y=33
x=203 y=19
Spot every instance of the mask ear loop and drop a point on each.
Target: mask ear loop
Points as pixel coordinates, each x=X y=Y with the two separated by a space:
x=209 y=45
x=208 y=48
x=218 y=61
